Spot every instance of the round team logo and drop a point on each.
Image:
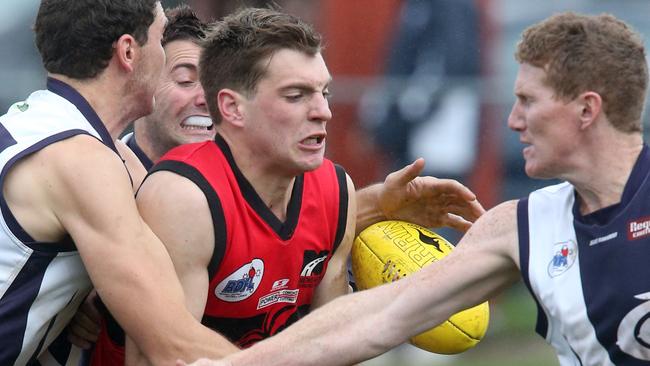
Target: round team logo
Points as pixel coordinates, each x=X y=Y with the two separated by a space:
x=564 y=255
x=242 y=283
x=634 y=331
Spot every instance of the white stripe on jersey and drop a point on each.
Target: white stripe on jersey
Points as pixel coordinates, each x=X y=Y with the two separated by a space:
x=45 y=117
x=561 y=297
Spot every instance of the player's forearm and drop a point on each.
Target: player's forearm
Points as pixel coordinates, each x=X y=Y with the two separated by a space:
x=345 y=331
x=368 y=210
x=146 y=298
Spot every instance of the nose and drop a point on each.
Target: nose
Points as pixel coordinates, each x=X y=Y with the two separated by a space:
x=320 y=108
x=199 y=99
x=515 y=119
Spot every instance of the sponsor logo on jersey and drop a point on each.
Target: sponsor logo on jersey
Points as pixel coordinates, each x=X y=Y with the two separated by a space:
x=22 y=106
x=638 y=229
x=242 y=283
x=603 y=239
x=280 y=284
x=564 y=255
x=312 y=268
x=282 y=296
x=633 y=335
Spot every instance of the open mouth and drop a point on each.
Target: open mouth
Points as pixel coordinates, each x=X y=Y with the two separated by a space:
x=314 y=140
x=197 y=123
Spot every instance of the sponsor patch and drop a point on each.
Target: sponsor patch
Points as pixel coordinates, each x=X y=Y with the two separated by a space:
x=633 y=335
x=639 y=228
x=564 y=255
x=312 y=268
x=280 y=284
x=282 y=296
x=242 y=283
x=603 y=239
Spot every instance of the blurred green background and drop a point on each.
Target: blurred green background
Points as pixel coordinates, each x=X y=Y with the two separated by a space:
x=510 y=341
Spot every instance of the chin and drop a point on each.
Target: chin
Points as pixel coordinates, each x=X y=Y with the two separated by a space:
x=311 y=165
x=539 y=173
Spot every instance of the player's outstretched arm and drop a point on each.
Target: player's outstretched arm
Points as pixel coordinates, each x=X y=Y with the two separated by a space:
x=427 y=201
x=335 y=282
x=177 y=211
x=89 y=191
x=362 y=325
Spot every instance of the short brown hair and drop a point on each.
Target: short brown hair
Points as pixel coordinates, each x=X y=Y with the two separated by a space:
x=591 y=53
x=236 y=47
x=75 y=37
x=183 y=25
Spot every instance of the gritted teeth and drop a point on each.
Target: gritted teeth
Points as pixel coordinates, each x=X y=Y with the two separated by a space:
x=197 y=121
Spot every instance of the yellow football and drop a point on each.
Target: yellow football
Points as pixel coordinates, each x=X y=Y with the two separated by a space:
x=409 y=247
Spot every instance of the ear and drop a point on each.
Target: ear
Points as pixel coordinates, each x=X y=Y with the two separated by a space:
x=126 y=50
x=591 y=104
x=231 y=106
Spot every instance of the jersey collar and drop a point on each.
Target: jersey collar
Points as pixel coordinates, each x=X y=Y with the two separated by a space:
x=69 y=93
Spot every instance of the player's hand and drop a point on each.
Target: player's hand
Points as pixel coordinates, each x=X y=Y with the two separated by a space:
x=428 y=201
x=84 y=327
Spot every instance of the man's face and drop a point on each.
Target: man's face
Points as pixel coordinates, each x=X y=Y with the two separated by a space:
x=547 y=125
x=152 y=58
x=286 y=118
x=181 y=115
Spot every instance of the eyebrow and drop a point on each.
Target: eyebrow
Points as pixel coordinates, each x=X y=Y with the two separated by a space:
x=305 y=86
x=186 y=65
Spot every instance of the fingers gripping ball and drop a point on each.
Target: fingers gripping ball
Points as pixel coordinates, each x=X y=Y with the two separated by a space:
x=389 y=250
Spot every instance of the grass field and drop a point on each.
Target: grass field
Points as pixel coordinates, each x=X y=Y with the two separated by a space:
x=510 y=341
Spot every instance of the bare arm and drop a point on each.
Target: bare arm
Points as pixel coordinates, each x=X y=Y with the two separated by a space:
x=367 y=323
x=80 y=187
x=86 y=324
x=177 y=211
x=335 y=281
x=427 y=201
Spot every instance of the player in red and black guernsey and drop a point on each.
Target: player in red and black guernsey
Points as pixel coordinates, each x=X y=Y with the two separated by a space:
x=258 y=223
x=264 y=274
x=403 y=195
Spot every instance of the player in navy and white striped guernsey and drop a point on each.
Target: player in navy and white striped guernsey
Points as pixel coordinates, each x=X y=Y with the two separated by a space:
x=589 y=273
x=67 y=208
x=582 y=246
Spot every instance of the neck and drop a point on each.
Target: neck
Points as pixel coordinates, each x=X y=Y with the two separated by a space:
x=606 y=169
x=145 y=140
x=274 y=189
x=107 y=98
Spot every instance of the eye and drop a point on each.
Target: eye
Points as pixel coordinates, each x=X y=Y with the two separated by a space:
x=186 y=83
x=327 y=94
x=294 y=97
x=523 y=99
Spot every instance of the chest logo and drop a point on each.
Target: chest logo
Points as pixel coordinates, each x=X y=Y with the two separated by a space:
x=639 y=228
x=282 y=296
x=633 y=336
x=564 y=255
x=242 y=283
x=313 y=264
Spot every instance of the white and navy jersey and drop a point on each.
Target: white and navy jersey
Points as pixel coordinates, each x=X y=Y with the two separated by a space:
x=129 y=140
x=590 y=275
x=41 y=284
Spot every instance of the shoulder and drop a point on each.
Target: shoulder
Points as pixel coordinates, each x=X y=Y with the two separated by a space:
x=496 y=230
x=165 y=185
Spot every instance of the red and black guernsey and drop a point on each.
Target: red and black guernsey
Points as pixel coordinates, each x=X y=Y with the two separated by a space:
x=263 y=272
